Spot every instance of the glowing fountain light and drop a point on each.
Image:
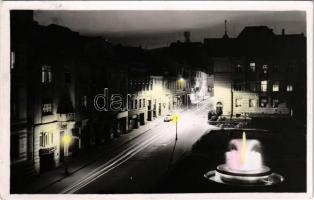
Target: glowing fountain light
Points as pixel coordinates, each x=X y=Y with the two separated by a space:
x=244 y=165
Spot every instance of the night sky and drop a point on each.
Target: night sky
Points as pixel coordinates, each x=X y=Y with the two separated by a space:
x=151 y=29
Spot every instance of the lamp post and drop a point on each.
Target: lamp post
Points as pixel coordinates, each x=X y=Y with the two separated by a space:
x=175 y=120
x=66 y=142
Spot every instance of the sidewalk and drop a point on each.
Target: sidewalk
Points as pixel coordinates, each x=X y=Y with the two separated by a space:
x=83 y=158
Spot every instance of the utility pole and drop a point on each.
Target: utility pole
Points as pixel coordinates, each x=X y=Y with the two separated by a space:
x=176 y=127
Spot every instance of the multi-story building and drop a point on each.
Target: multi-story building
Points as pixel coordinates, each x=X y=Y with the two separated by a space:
x=259 y=72
x=55 y=75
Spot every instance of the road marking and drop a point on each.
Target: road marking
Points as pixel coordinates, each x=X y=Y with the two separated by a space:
x=110 y=165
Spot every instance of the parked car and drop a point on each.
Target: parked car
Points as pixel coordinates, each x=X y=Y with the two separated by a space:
x=168 y=118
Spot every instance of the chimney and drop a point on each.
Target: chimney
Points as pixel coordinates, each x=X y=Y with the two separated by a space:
x=187 y=36
x=283 y=31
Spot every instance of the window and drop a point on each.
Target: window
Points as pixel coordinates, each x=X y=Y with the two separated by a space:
x=46 y=75
x=289 y=88
x=47 y=106
x=135 y=105
x=238 y=68
x=276 y=86
x=263 y=102
x=140 y=103
x=275 y=68
x=144 y=102
x=253 y=86
x=252 y=103
x=275 y=103
x=252 y=67
x=238 y=102
x=45 y=139
x=264 y=86
x=237 y=85
x=131 y=104
x=265 y=69
x=84 y=101
x=47 y=109
x=12 y=63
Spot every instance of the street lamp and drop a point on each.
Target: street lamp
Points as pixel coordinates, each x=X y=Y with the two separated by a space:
x=175 y=120
x=66 y=142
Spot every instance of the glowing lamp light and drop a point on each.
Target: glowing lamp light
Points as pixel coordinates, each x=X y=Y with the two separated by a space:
x=175 y=118
x=66 y=139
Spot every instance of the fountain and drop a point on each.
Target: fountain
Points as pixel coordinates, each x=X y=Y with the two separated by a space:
x=244 y=165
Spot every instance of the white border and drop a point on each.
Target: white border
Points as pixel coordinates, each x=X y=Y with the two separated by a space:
x=147 y=5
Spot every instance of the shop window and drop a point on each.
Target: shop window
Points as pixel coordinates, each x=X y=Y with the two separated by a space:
x=46 y=75
x=252 y=103
x=264 y=86
x=46 y=139
x=276 y=86
x=263 y=102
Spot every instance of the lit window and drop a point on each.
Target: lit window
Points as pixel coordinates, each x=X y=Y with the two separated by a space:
x=275 y=103
x=47 y=109
x=238 y=102
x=12 y=60
x=46 y=75
x=252 y=103
x=263 y=102
x=252 y=67
x=276 y=86
x=289 y=88
x=265 y=68
x=45 y=139
x=264 y=86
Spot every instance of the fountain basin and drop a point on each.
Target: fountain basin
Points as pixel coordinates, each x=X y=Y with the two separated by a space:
x=240 y=180
x=241 y=176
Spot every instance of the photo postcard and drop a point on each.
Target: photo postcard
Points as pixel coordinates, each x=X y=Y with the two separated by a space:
x=166 y=100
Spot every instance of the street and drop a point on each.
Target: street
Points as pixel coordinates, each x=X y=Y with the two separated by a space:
x=139 y=165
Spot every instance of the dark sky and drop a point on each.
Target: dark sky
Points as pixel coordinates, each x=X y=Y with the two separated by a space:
x=152 y=29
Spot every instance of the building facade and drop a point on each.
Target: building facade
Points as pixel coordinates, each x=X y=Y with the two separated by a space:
x=261 y=74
